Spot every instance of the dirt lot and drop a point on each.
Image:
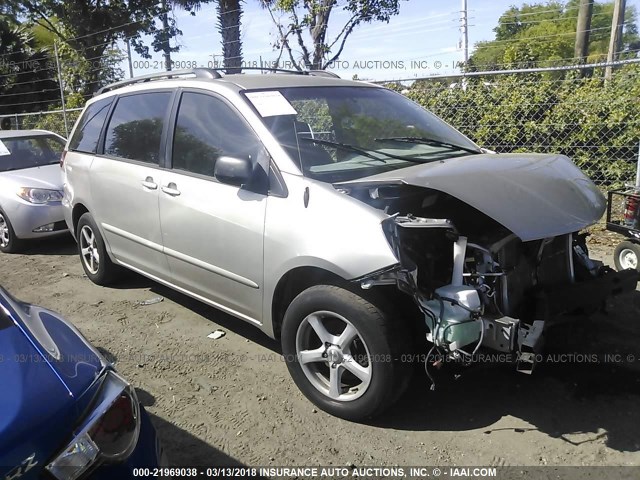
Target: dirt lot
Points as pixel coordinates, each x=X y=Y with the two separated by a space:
x=231 y=401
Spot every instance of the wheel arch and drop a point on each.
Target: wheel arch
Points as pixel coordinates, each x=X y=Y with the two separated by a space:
x=294 y=282
x=298 y=279
x=78 y=210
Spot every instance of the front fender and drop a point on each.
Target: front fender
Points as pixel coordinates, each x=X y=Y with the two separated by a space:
x=318 y=226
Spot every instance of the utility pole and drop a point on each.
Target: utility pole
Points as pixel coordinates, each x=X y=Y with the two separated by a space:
x=615 y=43
x=582 y=30
x=464 y=30
x=464 y=38
x=165 y=34
x=129 y=59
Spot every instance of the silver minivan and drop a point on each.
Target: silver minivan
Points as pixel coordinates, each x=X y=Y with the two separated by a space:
x=337 y=216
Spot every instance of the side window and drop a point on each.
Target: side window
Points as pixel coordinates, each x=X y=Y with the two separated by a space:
x=135 y=127
x=207 y=128
x=86 y=136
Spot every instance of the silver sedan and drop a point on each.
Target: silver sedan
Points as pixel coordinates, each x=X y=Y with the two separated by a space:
x=30 y=187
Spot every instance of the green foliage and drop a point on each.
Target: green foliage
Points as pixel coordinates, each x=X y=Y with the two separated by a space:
x=596 y=124
x=90 y=28
x=25 y=70
x=54 y=122
x=538 y=33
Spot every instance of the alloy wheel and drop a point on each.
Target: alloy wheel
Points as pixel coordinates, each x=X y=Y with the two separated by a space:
x=4 y=232
x=333 y=356
x=89 y=249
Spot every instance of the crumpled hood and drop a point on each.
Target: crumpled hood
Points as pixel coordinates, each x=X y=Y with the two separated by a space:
x=533 y=195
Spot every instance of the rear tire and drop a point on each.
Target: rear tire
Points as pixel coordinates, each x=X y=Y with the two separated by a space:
x=93 y=254
x=626 y=256
x=9 y=243
x=344 y=353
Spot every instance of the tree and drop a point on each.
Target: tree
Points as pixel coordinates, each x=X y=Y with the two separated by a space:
x=229 y=17
x=538 y=33
x=26 y=75
x=229 y=22
x=76 y=71
x=312 y=16
x=91 y=27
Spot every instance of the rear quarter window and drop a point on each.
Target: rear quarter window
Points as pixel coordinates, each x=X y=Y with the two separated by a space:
x=87 y=134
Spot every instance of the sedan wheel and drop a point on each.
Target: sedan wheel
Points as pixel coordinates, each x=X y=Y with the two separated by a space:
x=9 y=243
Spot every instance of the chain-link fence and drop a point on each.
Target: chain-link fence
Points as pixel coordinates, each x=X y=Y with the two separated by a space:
x=53 y=120
x=594 y=122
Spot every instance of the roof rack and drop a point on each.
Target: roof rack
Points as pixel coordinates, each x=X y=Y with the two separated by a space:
x=209 y=73
x=314 y=73
x=270 y=69
x=322 y=73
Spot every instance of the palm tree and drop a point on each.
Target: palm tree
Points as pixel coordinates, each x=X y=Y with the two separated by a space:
x=229 y=19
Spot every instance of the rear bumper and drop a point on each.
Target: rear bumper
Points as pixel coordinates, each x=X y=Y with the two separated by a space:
x=586 y=296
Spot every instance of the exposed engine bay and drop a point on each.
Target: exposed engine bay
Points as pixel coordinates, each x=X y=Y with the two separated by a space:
x=477 y=284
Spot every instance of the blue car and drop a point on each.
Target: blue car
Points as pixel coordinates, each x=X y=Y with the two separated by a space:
x=64 y=412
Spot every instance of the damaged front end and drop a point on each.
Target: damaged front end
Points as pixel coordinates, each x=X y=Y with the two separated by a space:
x=477 y=284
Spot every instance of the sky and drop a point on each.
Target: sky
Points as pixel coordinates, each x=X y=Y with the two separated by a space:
x=423 y=40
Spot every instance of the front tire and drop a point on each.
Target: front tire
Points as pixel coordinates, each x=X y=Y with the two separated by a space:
x=9 y=243
x=626 y=256
x=93 y=254
x=344 y=353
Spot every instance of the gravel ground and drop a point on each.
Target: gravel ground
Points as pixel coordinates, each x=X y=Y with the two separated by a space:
x=231 y=401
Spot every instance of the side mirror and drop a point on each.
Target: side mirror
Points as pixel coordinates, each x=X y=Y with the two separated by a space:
x=233 y=171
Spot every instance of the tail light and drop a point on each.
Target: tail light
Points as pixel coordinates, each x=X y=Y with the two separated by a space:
x=109 y=432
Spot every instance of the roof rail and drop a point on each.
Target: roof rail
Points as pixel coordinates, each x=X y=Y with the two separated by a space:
x=322 y=73
x=209 y=73
x=315 y=73
x=273 y=69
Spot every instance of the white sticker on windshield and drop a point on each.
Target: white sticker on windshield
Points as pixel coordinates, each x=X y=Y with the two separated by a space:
x=3 y=149
x=270 y=104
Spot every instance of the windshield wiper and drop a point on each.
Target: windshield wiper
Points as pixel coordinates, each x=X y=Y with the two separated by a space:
x=427 y=141
x=347 y=147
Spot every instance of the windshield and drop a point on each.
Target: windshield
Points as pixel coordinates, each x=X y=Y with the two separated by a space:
x=28 y=152
x=339 y=134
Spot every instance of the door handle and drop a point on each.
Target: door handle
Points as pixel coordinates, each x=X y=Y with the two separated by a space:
x=171 y=189
x=149 y=183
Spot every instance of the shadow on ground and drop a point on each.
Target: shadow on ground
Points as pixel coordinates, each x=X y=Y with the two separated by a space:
x=132 y=280
x=586 y=389
x=581 y=398
x=58 y=245
x=182 y=447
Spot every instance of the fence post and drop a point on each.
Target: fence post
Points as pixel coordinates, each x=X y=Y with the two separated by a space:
x=638 y=169
x=64 y=106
